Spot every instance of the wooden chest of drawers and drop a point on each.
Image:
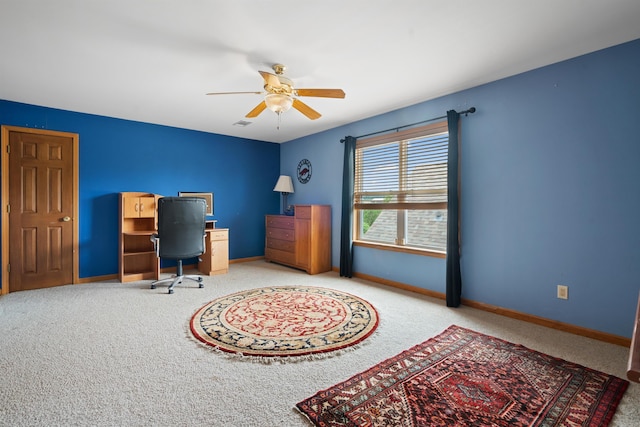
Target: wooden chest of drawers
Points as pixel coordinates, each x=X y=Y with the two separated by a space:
x=302 y=241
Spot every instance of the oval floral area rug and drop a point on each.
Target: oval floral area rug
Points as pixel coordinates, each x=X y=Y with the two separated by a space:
x=284 y=321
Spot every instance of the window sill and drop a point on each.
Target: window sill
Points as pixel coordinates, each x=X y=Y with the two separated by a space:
x=403 y=249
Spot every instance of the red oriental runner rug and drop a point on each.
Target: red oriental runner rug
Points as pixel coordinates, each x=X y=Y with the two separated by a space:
x=465 y=378
x=286 y=322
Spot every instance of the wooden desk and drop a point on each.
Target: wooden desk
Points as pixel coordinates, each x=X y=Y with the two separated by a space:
x=215 y=259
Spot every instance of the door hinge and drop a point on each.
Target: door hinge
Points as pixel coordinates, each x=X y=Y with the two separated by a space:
x=8 y=268
x=8 y=149
x=8 y=208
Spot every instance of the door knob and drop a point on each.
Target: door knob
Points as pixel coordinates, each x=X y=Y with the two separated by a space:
x=66 y=219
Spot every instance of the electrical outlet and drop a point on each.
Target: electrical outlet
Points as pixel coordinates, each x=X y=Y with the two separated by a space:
x=563 y=292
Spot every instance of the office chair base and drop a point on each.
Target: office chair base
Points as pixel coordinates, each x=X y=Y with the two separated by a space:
x=177 y=280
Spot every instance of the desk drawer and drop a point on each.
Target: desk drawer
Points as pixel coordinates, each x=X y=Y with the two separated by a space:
x=219 y=235
x=283 y=245
x=281 y=233
x=279 y=221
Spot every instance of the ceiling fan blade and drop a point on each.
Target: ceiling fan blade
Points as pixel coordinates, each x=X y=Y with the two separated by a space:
x=257 y=110
x=305 y=109
x=233 y=93
x=270 y=79
x=322 y=93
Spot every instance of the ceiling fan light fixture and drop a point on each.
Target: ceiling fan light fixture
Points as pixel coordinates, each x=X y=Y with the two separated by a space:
x=278 y=102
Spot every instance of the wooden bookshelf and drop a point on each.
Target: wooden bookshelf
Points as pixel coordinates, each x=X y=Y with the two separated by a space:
x=138 y=221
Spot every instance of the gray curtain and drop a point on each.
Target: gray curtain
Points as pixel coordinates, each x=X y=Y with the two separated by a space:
x=453 y=281
x=346 y=227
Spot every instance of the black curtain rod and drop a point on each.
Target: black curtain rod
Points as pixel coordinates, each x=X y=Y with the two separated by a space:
x=465 y=112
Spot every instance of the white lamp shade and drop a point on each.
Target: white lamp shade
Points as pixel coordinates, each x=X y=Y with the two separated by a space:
x=278 y=103
x=284 y=184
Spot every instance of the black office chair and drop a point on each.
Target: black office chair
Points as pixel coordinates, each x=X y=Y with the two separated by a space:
x=181 y=223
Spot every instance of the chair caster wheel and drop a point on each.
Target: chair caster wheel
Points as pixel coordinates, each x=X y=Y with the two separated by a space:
x=170 y=291
x=201 y=285
x=153 y=286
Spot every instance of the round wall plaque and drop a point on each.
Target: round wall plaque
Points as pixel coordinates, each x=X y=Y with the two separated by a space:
x=304 y=171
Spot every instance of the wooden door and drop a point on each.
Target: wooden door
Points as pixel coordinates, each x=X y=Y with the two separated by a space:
x=303 y=243
x=130 y=207
x=139 y=207
x=147 y=207
x=42 y=207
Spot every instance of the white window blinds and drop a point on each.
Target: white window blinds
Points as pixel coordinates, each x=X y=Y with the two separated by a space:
x=403 y=170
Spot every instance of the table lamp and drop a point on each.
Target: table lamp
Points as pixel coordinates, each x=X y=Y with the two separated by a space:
x=284 y=186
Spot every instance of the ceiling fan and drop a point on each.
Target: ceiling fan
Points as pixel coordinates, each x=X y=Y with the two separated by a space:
x=280 y=95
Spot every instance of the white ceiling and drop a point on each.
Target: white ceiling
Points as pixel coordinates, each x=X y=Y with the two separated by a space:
x=154 y=60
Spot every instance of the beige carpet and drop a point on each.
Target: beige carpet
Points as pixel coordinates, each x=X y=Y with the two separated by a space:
x=112 y=354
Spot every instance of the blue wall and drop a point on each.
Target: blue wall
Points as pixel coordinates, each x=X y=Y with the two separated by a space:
x=549 y=186
x=120 y=155
x=550 y=191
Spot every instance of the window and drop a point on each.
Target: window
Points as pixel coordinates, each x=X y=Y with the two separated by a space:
x=400 y=196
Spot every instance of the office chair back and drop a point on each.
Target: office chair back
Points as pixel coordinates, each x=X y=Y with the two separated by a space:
x=181 y=224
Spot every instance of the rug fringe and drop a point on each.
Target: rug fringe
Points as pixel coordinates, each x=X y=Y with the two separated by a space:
x=304 y=415
x=268 y=360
